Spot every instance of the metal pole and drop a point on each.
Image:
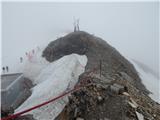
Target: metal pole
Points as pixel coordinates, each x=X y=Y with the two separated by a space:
x=100 y=67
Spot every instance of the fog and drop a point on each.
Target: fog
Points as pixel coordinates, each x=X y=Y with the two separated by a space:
x=132 y=28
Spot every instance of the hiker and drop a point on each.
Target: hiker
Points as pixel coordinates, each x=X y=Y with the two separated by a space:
x=7 y=69
x=30 y=56
x=33 y=51
x=26 y=54
x=21 y=59
x=3 y=69
x=78 y=25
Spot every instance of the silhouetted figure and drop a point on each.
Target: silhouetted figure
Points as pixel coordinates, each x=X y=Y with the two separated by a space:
x=3 y=69
x=32 y=51
x=26 y=53
x=76 y=25
x=21 y=59
x=75 y=28
x=30 y=56
x=7 y=69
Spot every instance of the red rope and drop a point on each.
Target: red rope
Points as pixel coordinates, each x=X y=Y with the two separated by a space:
x=77 y=87
x=40 y=105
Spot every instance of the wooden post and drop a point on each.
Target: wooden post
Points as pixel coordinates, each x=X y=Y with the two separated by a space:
x=100 y=67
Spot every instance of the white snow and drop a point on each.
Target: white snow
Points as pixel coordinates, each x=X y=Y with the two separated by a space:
x=51 y=79
x=151 y=82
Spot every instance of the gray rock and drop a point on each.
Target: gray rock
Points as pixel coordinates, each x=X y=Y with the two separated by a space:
x=116 y=88
x=79 y=118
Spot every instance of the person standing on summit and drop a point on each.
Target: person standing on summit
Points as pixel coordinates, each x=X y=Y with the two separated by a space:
x=7 y=68
x=3 y=69
x=76 y=25
x=21 y=59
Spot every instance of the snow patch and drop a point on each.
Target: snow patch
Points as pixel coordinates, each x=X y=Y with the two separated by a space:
x=51 y=79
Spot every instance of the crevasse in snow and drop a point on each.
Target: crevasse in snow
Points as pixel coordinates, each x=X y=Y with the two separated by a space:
x=51 y=79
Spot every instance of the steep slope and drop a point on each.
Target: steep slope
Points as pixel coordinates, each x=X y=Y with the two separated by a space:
x=149 y=78
x=96 y=50
x=115 y=90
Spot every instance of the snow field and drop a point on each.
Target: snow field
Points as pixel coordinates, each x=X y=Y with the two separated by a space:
x=51 y=79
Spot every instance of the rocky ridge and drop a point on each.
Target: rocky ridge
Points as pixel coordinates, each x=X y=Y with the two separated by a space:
x=116 y=92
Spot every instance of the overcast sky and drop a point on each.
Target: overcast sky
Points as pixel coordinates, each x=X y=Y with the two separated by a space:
x=132 y=28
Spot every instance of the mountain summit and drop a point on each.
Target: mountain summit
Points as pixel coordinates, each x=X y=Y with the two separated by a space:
x=96 y=50
x=115 y=91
